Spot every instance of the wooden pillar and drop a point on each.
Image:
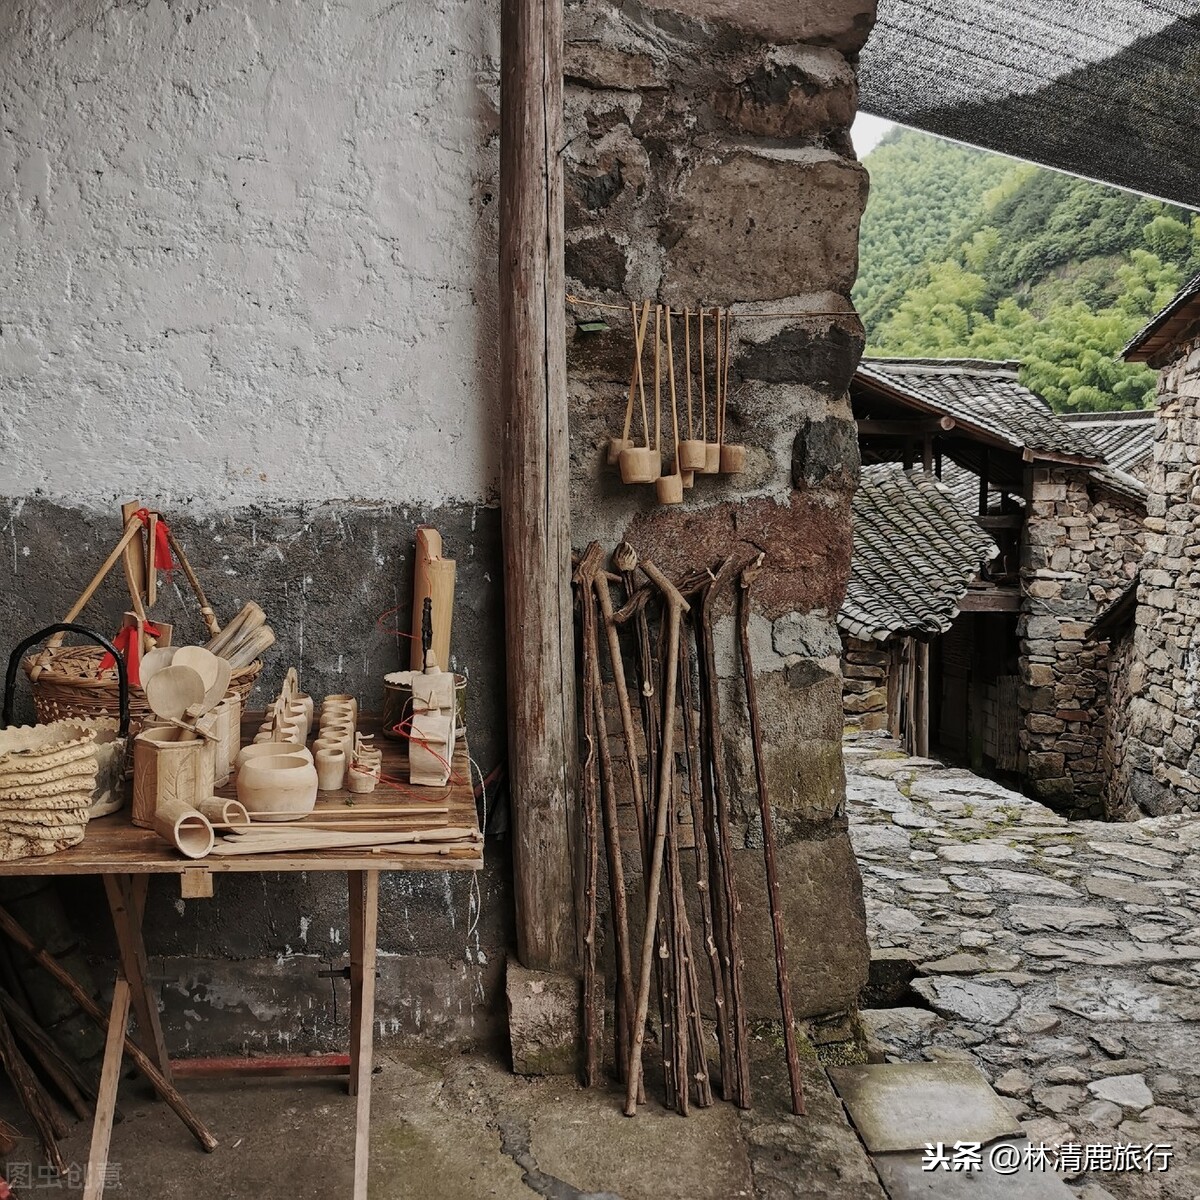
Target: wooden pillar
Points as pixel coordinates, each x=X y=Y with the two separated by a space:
x=927 y=454
x=983 y=486
x=921 y=699
x=534 y=491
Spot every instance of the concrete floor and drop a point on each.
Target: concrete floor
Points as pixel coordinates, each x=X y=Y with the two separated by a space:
x=461 y=1126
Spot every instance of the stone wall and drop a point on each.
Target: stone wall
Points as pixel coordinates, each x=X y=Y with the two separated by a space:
x=865 y=668
x=708 y=160
x=1153 y=738
x=1081 y=545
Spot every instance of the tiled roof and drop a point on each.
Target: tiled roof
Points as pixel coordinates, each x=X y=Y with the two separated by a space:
x=986 y=395
x=1162 y=329
x=1126 y=438
x=1119 y=614
x=915 y=552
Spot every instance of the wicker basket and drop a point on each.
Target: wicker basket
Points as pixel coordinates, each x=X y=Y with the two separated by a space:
x=70 y=686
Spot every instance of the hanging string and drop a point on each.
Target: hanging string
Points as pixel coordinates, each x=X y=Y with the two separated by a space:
x=581 y=302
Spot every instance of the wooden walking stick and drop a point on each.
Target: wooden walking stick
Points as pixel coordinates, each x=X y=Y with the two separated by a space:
x=735 y=1076
x=593 y=1013
x=590 y=572
x=676 y=606
x=782 y=979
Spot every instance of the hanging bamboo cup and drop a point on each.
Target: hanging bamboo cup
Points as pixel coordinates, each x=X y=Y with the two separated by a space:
x=691 y=449
x=625 y=442
x=641 y=464
x=712 y=450
x=733 y=456
x=670 y=487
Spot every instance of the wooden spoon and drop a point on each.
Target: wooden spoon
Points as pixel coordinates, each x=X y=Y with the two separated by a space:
x=173 y=690
x=155 y=660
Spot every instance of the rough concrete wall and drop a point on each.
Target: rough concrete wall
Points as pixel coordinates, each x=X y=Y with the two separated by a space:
x=1160 y=762
x=1080 y=547
x=250 y=279
x=708 y=161
x=865 y=668
x=252 y=251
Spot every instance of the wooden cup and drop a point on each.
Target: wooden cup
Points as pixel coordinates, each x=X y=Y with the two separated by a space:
x=331 y=768
x=689 y=479
x=669 y=489
x=692 y=455
x=733 y=459
x=712 y=458
x=615 y=447
x=640 y=465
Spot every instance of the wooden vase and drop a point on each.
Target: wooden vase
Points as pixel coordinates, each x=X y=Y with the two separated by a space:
x=167 y=769
x=640 y=465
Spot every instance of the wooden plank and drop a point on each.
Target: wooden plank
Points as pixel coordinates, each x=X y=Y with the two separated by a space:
x=136 y=969
x=991 y=600
x=363 y=1049
x=921 y=702
x=284 y=1066
x=534 y=487
x=354 y=884
x=196 y=883
x=135 y=553
x=106 y=1104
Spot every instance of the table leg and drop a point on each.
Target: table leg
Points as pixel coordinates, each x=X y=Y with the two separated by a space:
x=364 y=928
x=127 y=902
x=106 y=1102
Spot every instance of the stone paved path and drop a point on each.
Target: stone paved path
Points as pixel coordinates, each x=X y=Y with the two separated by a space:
x=1063 y=958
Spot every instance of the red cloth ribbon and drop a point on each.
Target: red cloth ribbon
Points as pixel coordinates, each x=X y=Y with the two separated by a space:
x=160 y=552
x=129 y=645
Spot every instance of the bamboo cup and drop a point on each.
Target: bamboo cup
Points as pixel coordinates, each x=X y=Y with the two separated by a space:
x=670 y=487
x=188 y=830
x=616 y=446
x=733 y=456
x=712 y=451
x=331 y=768
x=641 y=464
x=691 y=448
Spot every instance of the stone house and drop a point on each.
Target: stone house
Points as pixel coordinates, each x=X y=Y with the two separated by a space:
x=252 y=281
x=916 y=553
x=1015 y=686
x=1154 y=625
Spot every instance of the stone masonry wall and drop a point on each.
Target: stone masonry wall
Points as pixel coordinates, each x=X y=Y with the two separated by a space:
x=708 y=161
x=1082 y=544
x=865 y=667
x=1154 y=750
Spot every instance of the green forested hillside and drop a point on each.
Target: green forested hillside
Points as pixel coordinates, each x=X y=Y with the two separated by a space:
x=967 y=254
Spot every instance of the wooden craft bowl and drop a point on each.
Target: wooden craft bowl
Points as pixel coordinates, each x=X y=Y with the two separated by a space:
x=733 y=459
x=283 y=785
x=712 y=459
x=669 y=489
x=268 y=750
x=692 y=455
x=639 y=465
x=615 y=448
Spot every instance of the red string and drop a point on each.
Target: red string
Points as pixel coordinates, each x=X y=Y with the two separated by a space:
x=396 y=632
x=160 y=553
x=129 y=645
x=408 y=735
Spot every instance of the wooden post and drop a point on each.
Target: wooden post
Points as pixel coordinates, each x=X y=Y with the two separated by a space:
x=921 y=699
x=534 y=490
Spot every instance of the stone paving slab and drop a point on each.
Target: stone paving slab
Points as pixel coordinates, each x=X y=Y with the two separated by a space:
x=1056 y=956
x=904 y=1106
x=905 y=1178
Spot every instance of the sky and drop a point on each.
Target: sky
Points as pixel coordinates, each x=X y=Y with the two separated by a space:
x=867 y=132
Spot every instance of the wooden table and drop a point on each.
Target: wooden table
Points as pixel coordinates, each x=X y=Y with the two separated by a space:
x=125 y=857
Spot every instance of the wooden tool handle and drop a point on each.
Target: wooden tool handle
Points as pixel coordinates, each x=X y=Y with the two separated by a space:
x=206 y=610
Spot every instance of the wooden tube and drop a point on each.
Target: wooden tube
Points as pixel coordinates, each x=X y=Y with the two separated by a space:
x=224 y=812
x=433 y=577
x=188 y=830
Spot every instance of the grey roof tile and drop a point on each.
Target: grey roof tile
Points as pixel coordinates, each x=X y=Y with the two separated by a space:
x=987 y=395
x=915 y=552
x=1125 y=438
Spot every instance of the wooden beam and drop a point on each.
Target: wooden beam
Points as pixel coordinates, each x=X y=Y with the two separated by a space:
x=870 y=427
x=991 y=600
x=921 y=706
x=1001 y=521
x=534 y=488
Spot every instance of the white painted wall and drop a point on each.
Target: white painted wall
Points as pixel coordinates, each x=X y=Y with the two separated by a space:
x=248 y=249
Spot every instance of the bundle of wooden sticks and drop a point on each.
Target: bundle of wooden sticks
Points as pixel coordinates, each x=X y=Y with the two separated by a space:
x=676 y=681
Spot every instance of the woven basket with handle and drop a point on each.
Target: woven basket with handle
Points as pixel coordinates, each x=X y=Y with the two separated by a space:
x=67 y=681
